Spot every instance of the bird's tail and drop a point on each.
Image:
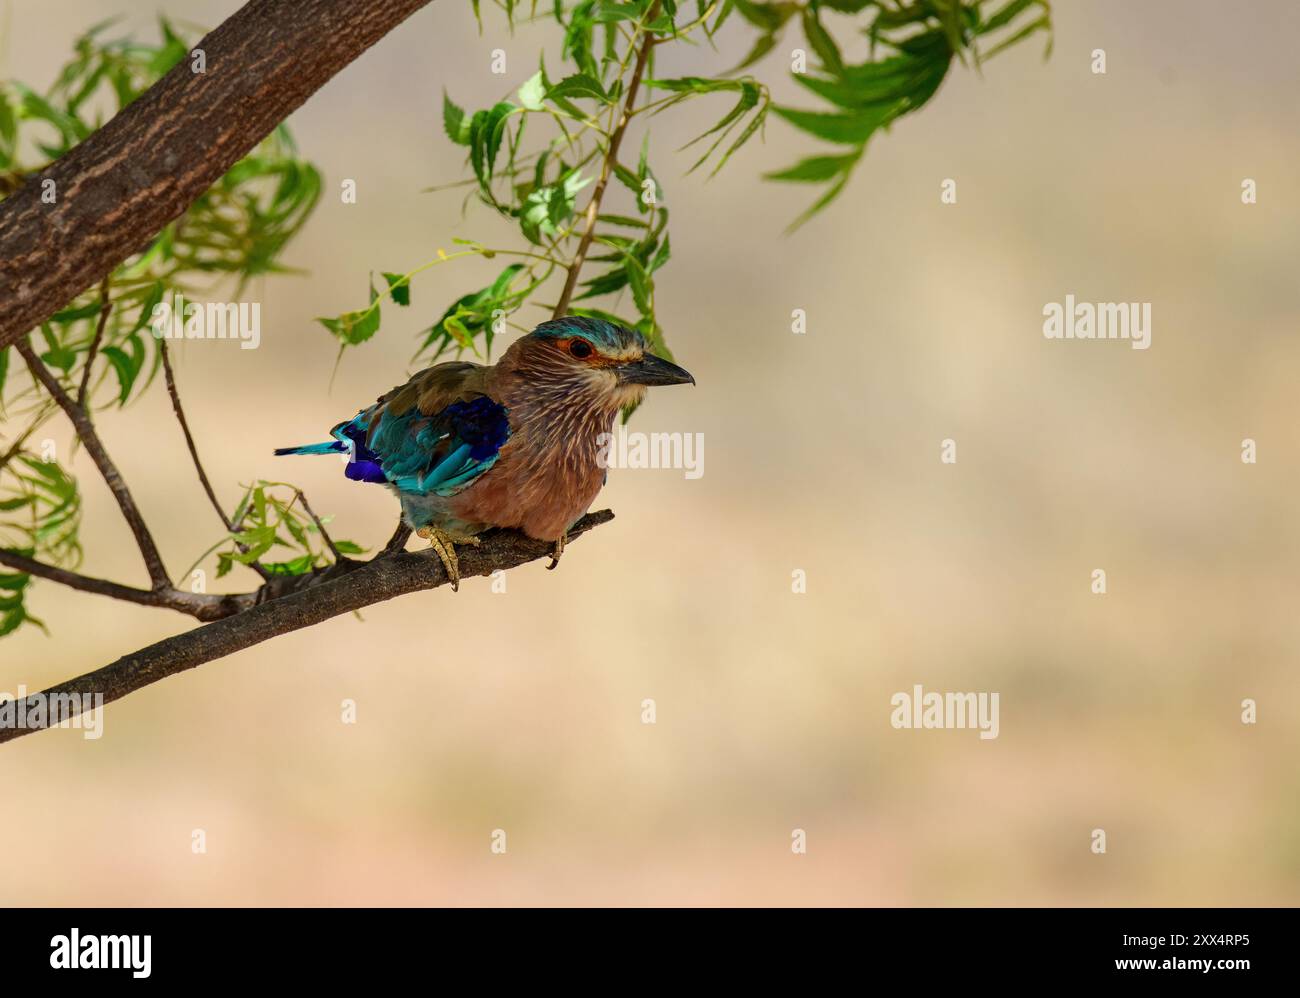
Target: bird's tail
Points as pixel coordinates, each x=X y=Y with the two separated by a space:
x=330 y=447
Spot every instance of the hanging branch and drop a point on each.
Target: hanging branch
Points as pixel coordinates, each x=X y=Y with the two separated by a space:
x=112 y=477
x=606 y=170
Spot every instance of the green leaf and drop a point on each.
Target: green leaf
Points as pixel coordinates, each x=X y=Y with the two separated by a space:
x=767 y=16
x=297 y=566
x=695 y=84
x=494 y=130
x=849 y=128
x=762 y=46
x=1006 y=15
x=606 y=13
x=70 y=315
x=642 y=285
x=533 y=92
x=399 y=288
x=1043 y=23
x=755 y=123
x=661 y=257
x=625 y=220
x=124 y=369
x=579 y=85
x=353 y=328
x=454 y=122
x=815 y=169
x=821 y=41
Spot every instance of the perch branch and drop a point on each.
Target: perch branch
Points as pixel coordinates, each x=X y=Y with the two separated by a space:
x=358 y=585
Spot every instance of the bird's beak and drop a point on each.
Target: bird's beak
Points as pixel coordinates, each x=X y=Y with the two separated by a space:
x=652 y=370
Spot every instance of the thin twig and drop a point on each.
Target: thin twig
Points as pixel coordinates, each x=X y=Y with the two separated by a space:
x=17 y=445
x=400 y=536
x=105 y=307
x=607 y=167
x=170 y=377
x=338 y=556
x=112 y=477
x=179 y=410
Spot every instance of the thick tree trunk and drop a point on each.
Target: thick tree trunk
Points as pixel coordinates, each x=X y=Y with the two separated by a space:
x=119 y=187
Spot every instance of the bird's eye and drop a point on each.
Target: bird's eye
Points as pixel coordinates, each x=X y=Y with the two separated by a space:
x=580 y=349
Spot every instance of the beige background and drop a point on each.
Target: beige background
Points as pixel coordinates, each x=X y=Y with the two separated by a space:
x=522 y=711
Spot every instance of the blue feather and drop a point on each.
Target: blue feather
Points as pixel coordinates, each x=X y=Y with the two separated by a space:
x=420 y=454
x=331 y=447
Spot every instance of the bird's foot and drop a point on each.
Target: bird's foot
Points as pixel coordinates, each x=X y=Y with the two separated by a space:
x=444 y=546
x=556 y=551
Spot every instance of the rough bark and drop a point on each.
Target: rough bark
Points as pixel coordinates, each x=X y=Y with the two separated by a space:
x=356 y=585
x=117 y=189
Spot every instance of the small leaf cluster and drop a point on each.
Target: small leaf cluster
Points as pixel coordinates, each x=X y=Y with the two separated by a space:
x=911 y=48
x=269 y=517
x=41 y=509
x=544 y=156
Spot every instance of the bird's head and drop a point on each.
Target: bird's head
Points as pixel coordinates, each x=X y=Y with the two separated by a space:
x=602 y=359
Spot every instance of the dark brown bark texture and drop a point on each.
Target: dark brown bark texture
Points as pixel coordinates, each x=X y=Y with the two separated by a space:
x=117 y=189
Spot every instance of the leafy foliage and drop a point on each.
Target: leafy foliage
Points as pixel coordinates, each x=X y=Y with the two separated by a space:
x=42 y=513
x=272 y=515
x=919 y=42
x=548 y=156
x=236 y=230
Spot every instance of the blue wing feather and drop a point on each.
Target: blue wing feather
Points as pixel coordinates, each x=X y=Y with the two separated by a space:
x=439 y=453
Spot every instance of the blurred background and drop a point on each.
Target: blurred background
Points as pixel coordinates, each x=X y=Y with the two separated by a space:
x=522 y=711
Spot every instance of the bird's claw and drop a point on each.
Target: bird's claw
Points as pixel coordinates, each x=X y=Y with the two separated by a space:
x=556 y=551
x=445 y=548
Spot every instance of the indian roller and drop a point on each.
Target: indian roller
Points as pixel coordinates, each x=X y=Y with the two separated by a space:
x=468 y=447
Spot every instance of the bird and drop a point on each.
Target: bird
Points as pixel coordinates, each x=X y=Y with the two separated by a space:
x=520 y=443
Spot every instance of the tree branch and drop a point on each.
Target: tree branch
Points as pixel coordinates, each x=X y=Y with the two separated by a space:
x=105 y=307
x=320 y=527
x=606 y=168
x=358 y=585
x=112 y=477
x=199 y=605
x=116 y=190
x=179 y=410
